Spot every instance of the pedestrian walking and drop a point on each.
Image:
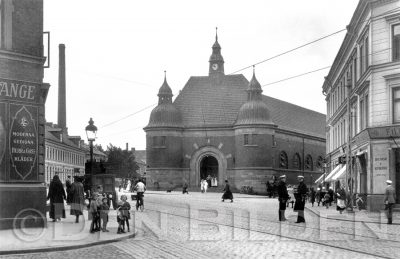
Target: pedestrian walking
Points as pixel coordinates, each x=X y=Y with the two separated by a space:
x=318 y=196
x=185 y=187
x=269 y=189
x=104 y=210
x=68 y=186
x=78 y=198
x=389 y=200
x=202 y=185
x=205 y=186
x=322 y=195
x=209 y=180
x=325 y=201
x=300 y=195
x=331 y=195
x=312 y=196
x=227 y=192
x=56 y=196
x=341 y=199
x=283 y=197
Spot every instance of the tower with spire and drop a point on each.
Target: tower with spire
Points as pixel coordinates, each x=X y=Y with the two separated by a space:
x=222 y=127
x=216 y=62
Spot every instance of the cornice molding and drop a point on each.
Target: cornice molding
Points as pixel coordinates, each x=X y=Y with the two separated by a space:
x=22 y=57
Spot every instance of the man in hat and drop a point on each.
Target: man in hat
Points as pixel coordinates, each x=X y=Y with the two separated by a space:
x=389 y=200
x=300 y=195
x=283 y=197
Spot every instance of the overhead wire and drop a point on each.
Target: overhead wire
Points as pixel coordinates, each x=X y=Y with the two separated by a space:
x=288 y=51
x=129 y=115
x=263 y=61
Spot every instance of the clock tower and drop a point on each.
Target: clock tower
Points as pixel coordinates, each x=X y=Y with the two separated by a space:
x=216 y=61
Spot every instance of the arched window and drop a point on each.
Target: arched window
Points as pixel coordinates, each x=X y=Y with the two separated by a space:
x=320 y=163
x=296 y=162
x=283 y=160
x=309 y=163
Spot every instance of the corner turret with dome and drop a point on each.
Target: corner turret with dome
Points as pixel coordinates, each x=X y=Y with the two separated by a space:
x=254 y=111
x=165 y=114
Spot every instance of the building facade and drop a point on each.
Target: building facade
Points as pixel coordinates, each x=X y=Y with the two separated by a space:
x=223 y=127
x=22 y=115
x=64 y=155
x=362 y=93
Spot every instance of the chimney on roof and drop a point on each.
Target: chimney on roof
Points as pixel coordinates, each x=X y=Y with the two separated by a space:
x=62 y=106
x=127 y=147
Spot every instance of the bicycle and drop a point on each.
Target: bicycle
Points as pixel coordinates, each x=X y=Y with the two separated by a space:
x=139 y=201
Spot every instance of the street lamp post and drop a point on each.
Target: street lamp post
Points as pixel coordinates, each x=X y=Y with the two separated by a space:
x=348 y=153
x=91 y=131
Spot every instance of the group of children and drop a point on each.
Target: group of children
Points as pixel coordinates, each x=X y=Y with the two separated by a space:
x=99 y=209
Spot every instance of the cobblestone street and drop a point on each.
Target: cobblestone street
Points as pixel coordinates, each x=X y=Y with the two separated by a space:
x=200 y=225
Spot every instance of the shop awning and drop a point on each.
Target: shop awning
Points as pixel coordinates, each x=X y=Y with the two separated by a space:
x=340 y=173
x=320 y=179
x=332 y=173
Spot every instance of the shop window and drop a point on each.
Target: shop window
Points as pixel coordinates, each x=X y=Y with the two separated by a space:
x=309 y=163
x=283 y=160
x=396 y=42
x=396 y=105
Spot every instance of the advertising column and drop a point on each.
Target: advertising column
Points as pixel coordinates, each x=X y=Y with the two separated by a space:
x=22 y=194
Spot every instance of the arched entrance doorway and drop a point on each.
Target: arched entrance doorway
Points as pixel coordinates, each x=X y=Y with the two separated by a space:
x=207 y=157
x=209 y=166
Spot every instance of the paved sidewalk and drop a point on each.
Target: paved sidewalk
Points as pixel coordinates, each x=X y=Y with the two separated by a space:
x=356 y=215
x=61 y=235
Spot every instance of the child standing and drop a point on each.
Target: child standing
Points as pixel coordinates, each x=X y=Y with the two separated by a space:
x=120 y=218
x=104 y=209
x=94 y=213
x=126 y=207
x=123 y=214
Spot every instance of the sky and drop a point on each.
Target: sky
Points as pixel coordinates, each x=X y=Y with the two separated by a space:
x=117 y=51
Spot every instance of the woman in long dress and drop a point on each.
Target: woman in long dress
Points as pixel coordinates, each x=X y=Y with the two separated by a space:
x=56 y=196
x=78 y=198
x=227 y=192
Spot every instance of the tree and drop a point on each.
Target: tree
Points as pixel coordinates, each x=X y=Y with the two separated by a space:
x=123 y=161
x=99 y=148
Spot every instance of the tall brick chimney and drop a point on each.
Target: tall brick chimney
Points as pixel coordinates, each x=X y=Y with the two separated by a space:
x=62 y=105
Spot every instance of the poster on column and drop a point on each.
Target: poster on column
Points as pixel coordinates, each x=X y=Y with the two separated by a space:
x=380 y=162
x=3 y=140
x=23 y=143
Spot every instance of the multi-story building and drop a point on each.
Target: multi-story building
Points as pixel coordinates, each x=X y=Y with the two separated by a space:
x=22 y=115
x=64 y=154
x=222 y=126
x=366 y=74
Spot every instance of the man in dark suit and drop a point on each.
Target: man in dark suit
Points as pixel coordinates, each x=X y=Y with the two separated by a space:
x=283 y=197
x=300 y=195
x=389 y=200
